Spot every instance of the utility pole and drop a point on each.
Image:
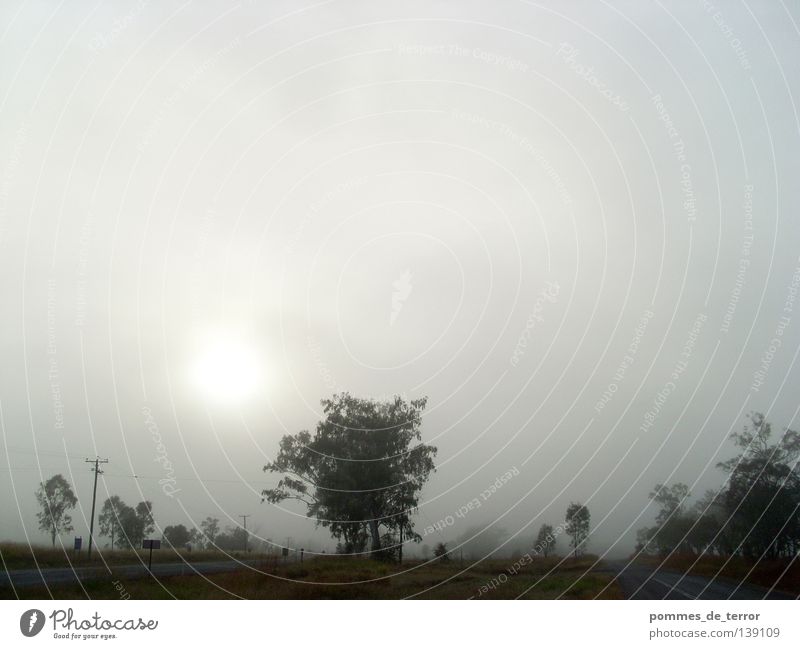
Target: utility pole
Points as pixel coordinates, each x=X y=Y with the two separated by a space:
x=245 y=517
x=97 y=462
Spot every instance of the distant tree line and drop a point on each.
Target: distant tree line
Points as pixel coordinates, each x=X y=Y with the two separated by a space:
x=208 y=537
x=753 y=514
x=362 y=472
x=125 y=526
x=479 y=543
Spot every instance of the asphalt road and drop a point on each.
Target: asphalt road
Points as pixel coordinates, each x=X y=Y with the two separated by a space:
x=33 y=577
x=645 y=582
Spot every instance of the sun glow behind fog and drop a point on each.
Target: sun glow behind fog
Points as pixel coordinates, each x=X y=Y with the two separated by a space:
x=228 y=371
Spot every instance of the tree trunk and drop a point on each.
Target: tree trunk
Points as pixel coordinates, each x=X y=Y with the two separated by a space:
x=376 y=535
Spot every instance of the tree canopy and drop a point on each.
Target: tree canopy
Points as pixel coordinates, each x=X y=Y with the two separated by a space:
x=577 y=527
x=109 y=518
x=362 y=470
x=545 y=541
x=763 y=491
x=126 y=525
x=232 y=539
x=56 y=498
x=209 y=529
x=177 y=536
x=753 y=514
x=441 y=552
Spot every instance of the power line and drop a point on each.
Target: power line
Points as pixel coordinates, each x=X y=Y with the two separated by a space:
x=31 y=468
x=136 y=476
x=179 y=479
x=15 y=450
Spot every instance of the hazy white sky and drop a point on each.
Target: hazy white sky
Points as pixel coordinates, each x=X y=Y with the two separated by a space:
x=512 y=207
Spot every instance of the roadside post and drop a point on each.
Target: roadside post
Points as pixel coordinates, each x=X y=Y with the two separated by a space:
x=151 y=544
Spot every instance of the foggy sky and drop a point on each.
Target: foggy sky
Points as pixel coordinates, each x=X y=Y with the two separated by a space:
x=513 y=208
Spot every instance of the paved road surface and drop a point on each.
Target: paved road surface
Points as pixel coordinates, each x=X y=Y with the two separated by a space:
x=27 y=577
x=644 y=582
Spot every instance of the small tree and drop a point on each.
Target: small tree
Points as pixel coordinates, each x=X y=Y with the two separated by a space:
x=136 y=524
x=210 y=528
x=196 y=538
x=545 y=541
x=577 y=527
x=56 y=498
x=232 y=539
x=440 y=552
x=109 y=517
x=671 y=533
x=144 y=512
x=177 y=536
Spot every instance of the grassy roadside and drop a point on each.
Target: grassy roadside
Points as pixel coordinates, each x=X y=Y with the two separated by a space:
x=768 y=574
x=16 y=556
x=343 y=578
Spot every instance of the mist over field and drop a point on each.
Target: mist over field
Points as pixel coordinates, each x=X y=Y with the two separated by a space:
x=573 y=227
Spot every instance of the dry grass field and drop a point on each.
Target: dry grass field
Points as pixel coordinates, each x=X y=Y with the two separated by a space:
x=354 y=578
x=14 y=556
x=779 y=574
